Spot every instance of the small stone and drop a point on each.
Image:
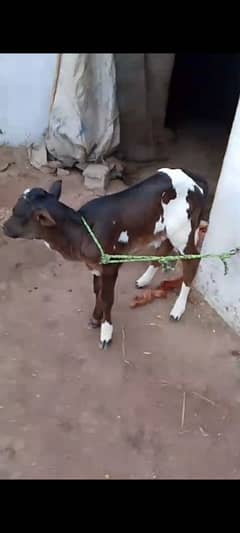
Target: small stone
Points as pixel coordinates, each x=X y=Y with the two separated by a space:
x=147 y=353
x=235 y=353
x=4 y=166
x=46 y=170
x=54 y=164
x=61 y=172
x=37 y=155
x=96 y=176
x=18 y=264
x=107 y=476
x=204 y=433
x=115 y=166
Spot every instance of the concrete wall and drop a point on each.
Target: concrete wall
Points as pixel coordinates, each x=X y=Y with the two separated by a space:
x=223 y=292
x=26 y=82
x=142 y=93
x=159 y=71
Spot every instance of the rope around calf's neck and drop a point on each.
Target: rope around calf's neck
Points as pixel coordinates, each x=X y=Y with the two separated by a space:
x=107 y=259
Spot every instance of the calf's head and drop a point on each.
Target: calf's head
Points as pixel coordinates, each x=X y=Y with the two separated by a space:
x=35 y=211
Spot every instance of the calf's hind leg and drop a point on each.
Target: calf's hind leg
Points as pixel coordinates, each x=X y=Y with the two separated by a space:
x=164 y=249
x=189 y=271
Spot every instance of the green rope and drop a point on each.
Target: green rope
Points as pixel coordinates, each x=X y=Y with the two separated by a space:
x=107 y=259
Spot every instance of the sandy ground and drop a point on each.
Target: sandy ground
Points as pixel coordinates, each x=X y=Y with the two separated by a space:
x=162 y=402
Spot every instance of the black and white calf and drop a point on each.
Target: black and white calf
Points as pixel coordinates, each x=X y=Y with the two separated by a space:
x=163 y=211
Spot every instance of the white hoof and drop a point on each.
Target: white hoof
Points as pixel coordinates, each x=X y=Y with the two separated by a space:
x=106 y=334
x=177 y=312
x=147 y=277
x=180 y=304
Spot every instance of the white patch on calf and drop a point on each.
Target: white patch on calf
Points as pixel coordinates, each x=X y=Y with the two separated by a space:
x=157 y=244
x=180 y=180
x=106 y=332
x=95 y=273
x=177 y=224
x=123 y=237
x=25 y=193
x=196 y=236
x=159 y=226
x=180 y=304
x=147 y=276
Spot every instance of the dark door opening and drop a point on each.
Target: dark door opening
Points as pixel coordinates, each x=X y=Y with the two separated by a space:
x=203 y=87
x=202 y=98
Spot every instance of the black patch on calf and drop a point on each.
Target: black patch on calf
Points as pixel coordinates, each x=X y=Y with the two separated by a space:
x=169 y=195
x=196 y=203
x=199 y=180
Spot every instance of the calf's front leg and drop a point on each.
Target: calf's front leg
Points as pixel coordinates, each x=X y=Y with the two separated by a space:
x=95 y=320
x=109 y=277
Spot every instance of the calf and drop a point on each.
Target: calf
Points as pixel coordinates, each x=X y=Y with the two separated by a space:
x=163 y=211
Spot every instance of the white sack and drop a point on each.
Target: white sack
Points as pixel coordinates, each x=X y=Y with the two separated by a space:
x=84 y=119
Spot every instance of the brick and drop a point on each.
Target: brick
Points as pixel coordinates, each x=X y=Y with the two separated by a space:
x=96 y=176
x=61 y=172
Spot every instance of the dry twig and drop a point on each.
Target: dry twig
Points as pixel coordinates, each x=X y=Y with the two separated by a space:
x=203 y=398
x=183 y=410
x=124 y=347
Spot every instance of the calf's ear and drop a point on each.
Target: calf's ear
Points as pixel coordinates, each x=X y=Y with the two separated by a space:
x=56 y=189
x=44 y=218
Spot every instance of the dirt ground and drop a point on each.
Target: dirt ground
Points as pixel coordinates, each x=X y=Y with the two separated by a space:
x=162 y=402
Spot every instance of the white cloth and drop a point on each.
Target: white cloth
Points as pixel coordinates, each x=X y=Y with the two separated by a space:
x=84 y=118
